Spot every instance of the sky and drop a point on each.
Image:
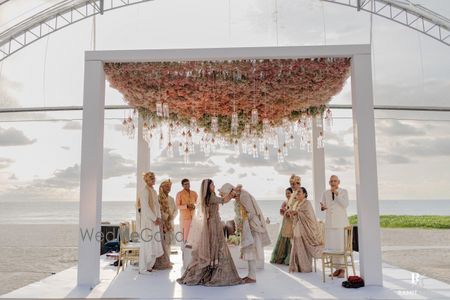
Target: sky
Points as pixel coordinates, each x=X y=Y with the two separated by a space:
x=40 y=152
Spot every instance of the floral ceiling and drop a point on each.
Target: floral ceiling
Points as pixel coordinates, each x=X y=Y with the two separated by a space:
x=277 y=88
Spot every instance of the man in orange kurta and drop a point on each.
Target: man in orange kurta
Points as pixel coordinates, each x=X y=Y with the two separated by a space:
x=186 y=201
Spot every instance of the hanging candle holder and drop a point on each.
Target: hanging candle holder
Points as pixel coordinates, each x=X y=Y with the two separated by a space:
x=161 y=139
x=320 y=141
x=285 y=149
x=255 y=151
x=309 y=122
x=236 y=147
x=302 y=142
x=146 y=133
x=215 y=124
x=319 y=119
x=193 y=124
x=186 y=155
x=234 y=123
x=170 y=150
x=165 y=110
x=180 y=148
x=309 y=146
x=266 y=152
x=254 y=117
x=266 y=126
x=328 y=119
x=159 y=109
x=280 y=156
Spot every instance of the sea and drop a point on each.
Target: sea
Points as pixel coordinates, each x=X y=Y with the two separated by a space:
x=116 y=211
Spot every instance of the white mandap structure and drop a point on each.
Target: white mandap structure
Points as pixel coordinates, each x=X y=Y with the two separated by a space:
x=364 y=141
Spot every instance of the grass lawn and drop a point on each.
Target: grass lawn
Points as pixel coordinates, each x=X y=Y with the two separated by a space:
x=394 y=221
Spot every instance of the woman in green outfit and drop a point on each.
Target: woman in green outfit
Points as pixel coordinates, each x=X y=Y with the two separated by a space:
x=280 y=254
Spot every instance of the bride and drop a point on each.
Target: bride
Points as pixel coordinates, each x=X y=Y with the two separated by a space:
x=212 y=264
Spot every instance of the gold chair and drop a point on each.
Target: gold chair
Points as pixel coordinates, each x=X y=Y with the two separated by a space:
x=129 y=250
x=328 y=255
x=321 y=226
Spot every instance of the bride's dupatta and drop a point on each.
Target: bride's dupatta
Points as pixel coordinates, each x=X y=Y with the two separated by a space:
x=199 y=232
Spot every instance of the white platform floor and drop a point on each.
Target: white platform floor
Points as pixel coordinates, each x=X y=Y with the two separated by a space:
x=274 y=282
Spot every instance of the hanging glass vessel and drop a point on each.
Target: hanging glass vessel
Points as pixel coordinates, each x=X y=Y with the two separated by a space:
x=180 y=148
x=165 y=109
x=170 y=150
x=255 y=151
x=215 y=124
x=320 y=141
x=328 y=119
x=309 y=146
x=266 y=152
x=285 y=149
x=266 y=126
x=161 y=139
x=159 y=109
x=234 y=123
x=318 y=118
x=193 y=123
x=186 y=155
x=236 y=147
x=124 y=127
x=146 y=133
x=302 y=143
x=254 y=117
x=309 y=122
x=280 y=156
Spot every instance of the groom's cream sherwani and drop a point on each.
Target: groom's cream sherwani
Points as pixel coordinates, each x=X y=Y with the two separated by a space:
x=254 y=232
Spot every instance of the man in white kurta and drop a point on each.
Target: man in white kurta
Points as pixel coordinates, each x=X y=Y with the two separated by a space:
x=334 y=203
x=151 y=246
x=254 y=235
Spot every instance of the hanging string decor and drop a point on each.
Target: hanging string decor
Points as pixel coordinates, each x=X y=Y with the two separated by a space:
x=257 y=106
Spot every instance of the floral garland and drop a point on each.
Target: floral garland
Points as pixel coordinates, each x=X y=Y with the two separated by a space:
x=235 y=239
x=277 y=88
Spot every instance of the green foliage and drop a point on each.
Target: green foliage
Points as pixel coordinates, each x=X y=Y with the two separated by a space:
x=398 y=221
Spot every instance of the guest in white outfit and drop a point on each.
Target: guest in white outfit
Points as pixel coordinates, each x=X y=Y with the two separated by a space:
x=151 y=246
x=335 y=203
x=254 y=235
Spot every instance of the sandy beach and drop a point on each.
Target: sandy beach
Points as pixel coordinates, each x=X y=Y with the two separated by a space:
x=33 y=252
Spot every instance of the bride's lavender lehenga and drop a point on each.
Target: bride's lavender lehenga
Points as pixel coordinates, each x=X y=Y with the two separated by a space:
x=212 y=264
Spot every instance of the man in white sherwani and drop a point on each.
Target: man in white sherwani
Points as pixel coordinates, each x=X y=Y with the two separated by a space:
x=334 y=203
x=254 y=235
x=151 y=246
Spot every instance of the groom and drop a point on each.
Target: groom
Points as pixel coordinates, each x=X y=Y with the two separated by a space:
x=254 y=233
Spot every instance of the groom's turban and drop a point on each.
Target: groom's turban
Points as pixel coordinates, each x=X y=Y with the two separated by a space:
x=226 y=188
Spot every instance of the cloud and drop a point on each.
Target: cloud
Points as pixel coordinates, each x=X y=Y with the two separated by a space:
x=242 y=175
x=5 y=162
x=72 y=125
x=231 y=171
x=65 y=147
x=14 y=137
x=63 y=184
x=338 y=150
x=130 y=185
x=389 y=158
x=176 y=169
x=115 y=165
x=68 y=178
x=13 y=177
x=289 y=168
x=394 y=128
x=425 y=147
